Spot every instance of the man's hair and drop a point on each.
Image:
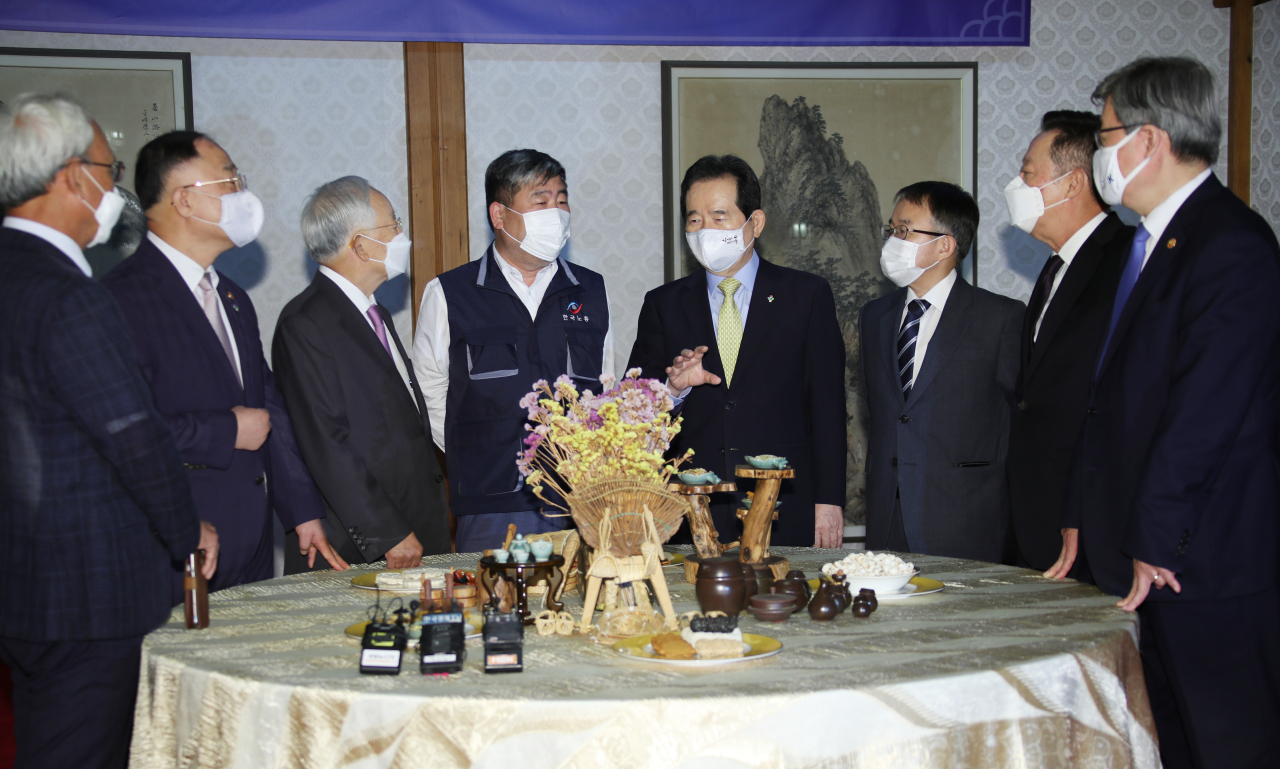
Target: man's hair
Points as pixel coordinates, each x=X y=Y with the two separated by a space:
x=157 y=158
x=39 y=133
x=1073 y=143
x=954 y=210
x=333 y=214
x=514 y=170
x=1174 y=94
x=720 y=167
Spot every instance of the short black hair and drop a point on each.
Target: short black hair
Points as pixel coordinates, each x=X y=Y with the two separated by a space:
x=514 y=170
x=955 y=210
x=157 y=158
x=718 y=167
x=1074 y=144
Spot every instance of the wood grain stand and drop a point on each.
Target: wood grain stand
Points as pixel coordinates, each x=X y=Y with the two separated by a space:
x=759 y=518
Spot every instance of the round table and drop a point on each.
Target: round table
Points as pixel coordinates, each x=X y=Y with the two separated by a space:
x=1001 y=668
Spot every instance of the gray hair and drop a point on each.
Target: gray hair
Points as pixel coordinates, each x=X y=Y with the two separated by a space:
x=333 y=214
x=1174 y=94
x=39 y=133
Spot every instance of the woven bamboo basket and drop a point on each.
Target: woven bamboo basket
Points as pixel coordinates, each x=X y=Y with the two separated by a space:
x=622 y=501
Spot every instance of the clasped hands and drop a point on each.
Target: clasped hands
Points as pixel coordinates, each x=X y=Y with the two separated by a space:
x=1144 y=574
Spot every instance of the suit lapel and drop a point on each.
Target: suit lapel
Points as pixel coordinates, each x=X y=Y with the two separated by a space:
x=697 y=311
x=1079 y=273
x=357 y=326
x=231 y=299
x=946 y=337
x=169 y=285
x=408 y=367
x=1161 y=259
x=759 y=316
x=889 y=323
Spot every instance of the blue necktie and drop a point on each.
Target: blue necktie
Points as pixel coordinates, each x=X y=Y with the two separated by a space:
x=907 y=344
x=1132 y=269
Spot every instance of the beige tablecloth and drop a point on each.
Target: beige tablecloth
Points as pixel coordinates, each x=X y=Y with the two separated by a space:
x=1003 y=668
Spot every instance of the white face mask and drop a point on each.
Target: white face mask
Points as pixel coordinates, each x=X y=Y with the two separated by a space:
x=545 y=232
x=242 y=216
x=107 y=213
x=898 y=261
x=1026 y=204
x=717 y=250
x=1106 y=172
x=398 y=249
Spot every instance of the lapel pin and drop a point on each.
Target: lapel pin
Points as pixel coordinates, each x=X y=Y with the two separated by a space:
x=770 y=297
x=1172 y=242
x=232 y=297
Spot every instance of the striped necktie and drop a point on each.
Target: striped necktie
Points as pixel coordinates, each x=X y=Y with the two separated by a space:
x=730 y=328
x=907 y=344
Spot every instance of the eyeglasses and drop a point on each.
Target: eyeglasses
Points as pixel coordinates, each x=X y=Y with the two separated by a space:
x=240 y=180
x=1097 y=135
x=117 y=168
x=901 y=232
x=399 y=225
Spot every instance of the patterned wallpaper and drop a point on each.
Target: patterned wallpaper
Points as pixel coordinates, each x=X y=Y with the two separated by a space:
x=293 y=115
x=597 y=109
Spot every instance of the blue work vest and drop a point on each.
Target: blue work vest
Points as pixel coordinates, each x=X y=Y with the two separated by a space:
x=496 y=353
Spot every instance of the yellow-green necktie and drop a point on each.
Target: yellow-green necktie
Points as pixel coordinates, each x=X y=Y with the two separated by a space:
x=730 y=336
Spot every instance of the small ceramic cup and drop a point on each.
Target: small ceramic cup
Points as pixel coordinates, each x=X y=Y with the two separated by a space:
x=541 y=549
x=520 y=556
x=501 y=555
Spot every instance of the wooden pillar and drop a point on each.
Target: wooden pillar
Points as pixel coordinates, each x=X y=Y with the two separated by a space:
x=1240 y=95
x=437 y=137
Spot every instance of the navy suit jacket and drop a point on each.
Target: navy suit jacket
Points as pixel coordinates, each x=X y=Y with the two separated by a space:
x=944 y=447
x=195 y=389
x=365 y=436
x=787 y=397
x=1178 y=464
x=94 y=504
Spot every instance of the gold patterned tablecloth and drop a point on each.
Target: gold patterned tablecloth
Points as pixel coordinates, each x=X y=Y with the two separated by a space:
x=1003 y=668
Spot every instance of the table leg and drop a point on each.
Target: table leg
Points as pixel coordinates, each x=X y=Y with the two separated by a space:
x=553 y=589
x=522 y=597
x=755 y=531
x=487 y=580
x=706 y=540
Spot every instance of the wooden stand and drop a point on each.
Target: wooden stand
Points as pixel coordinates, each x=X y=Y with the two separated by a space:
x=629 y=569
x=759 y=518
x=706 y=541
x=521 y=575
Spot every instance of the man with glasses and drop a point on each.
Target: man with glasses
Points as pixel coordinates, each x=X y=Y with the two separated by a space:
x=940 y=361
x=359 y=415
x=1176 y=480
x=94 y=504
x=197 y=339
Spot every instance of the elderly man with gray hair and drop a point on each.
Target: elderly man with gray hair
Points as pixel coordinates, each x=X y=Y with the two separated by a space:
x=95 y=508
x=362 y=426
x=1176 y=478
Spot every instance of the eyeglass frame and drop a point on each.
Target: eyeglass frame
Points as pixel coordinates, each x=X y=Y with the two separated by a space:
x=890 y=231
x=1097 y=135
x=395 y=222
x=239 y=179
x=117 y=167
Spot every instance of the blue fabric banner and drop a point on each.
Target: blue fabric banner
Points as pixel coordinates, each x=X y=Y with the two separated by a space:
x=580 y=22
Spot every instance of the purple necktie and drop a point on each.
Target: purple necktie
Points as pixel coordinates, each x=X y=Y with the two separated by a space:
x=212 y=312
x=378 y=329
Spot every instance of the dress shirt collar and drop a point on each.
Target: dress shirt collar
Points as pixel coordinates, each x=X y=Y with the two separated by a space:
x=58 y=240
x=746 y=276
x=357 y=297
x=1161 y=215
x=187 y=268
x=1073 y=244
x=936 y=296
x=516 y=278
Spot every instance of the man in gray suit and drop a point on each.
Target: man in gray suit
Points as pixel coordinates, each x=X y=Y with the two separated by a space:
x=940 y=361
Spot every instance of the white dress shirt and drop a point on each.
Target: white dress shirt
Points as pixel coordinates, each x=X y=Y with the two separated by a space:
x=937 y=299
x=1158 y=220
x=58 y=240
x=191 y=274
x=363 y=303
x=431 y=338
x=1067 y=253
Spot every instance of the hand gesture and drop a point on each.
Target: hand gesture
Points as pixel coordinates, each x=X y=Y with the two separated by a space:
x=209 y=544
x=1060 y=569
x=687 y=371
x=406 y=555
x=312 y=540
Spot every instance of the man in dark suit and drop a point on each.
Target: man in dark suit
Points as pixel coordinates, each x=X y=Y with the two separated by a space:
x=1053 y=198
x=197 y=340
x=360 y=419
x=95 y=508
x=940 y=359
x=1176 y=480
x=755 y=352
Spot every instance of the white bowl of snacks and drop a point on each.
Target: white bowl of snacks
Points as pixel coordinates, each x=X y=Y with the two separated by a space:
x=881 y=572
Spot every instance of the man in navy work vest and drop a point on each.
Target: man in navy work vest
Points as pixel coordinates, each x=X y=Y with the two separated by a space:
x=491 y=328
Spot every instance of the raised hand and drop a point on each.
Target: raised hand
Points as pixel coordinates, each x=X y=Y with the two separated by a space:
x=686 y=371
